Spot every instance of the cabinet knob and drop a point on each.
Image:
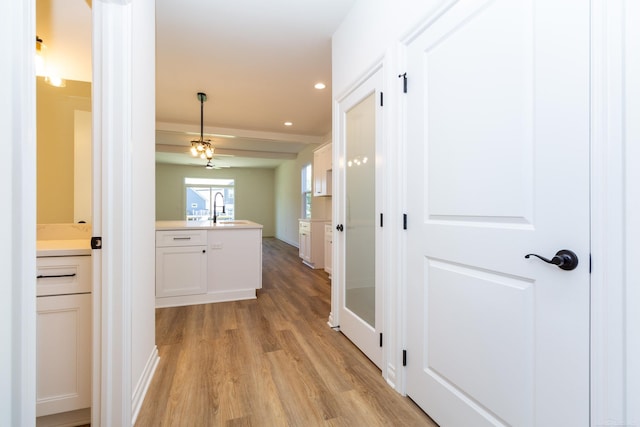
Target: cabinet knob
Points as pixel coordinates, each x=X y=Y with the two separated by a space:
x=204 y=251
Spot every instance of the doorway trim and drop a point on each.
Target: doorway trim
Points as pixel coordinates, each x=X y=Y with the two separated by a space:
x=615 y=212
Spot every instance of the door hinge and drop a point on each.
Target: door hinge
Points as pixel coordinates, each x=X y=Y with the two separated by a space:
x=404 y=81
x=404 y=357
x=381 y=220
x=380 y=339
x=382 y=99
x=590 y=263
x=96 y=243
x=404 y=221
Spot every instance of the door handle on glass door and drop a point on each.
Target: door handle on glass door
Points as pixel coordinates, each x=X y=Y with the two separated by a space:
x=564 y=258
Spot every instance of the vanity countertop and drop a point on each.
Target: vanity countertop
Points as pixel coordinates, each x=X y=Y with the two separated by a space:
x=205 y=225
x=71 y=247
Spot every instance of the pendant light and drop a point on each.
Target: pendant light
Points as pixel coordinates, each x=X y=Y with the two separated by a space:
x=202 y=147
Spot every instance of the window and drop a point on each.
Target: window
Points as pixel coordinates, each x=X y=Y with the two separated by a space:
x=203 y=194
x=306 y=191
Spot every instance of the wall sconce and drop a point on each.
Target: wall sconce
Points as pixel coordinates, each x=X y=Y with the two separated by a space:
x=42 y=68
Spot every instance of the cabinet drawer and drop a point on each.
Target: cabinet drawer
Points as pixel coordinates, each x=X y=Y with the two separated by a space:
x=63 y=275
x=304 y=227
x=181 y=238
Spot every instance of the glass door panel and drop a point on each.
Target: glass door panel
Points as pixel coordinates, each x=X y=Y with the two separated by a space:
x=360 y=280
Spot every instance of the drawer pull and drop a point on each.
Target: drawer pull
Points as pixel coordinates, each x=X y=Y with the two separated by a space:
x=42 y=276
x=182 y=238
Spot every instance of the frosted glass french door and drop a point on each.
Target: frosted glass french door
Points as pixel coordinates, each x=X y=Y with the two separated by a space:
x=360 y=313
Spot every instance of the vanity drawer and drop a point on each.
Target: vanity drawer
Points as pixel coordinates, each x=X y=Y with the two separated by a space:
x=304 y=227
x=63 y=275
x=181 y=238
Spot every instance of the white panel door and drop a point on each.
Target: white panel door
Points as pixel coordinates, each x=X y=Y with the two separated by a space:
x=498 y=167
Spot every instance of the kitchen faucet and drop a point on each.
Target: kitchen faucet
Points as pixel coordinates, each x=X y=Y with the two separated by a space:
x=215 y=207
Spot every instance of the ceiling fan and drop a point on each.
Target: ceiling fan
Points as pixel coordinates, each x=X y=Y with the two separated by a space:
x=211 y=165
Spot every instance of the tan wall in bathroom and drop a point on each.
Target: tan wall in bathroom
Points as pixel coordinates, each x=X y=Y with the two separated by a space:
x=55 y=136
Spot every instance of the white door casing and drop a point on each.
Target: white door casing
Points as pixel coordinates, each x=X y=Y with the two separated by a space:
x=498 y=167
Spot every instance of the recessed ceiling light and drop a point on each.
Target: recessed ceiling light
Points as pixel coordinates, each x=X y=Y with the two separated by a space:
x=320 y=85
x=288 y=123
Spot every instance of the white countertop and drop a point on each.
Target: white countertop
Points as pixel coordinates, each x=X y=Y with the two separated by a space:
x=72 y=247
x=205 y=225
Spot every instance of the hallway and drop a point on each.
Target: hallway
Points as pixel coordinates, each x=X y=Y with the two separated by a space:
x=272 y=361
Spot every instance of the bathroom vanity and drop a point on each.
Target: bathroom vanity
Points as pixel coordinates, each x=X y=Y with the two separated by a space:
x=63 y=373
x=199 y=262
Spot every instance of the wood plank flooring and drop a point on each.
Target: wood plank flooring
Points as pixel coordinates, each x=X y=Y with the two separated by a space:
x=272 y=361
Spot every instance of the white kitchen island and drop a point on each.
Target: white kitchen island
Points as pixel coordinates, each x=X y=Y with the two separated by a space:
x=199 y=262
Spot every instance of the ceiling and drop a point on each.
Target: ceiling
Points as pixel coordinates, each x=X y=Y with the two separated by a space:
x=256 y=60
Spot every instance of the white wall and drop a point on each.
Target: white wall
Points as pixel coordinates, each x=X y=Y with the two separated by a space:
x=288 y=197
x=372 y=27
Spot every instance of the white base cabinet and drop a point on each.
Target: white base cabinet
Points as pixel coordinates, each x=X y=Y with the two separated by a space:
x=64 y=353
x=63 y=334
x=181 y=263
x=207 y=265
x=328 y=248
x=311 y=242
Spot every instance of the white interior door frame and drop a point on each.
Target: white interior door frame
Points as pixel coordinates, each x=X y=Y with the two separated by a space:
x=112 y=99
x=18 y=218
x=615 y=213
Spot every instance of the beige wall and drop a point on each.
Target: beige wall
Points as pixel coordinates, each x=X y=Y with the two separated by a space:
x=55 y=135
x=288 y=197
x=254 y=192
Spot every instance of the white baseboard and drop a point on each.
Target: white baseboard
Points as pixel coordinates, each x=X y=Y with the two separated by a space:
x=143 y=384
x=217 y=296
x=391 y=377
x=289 y=242
x=65 y=419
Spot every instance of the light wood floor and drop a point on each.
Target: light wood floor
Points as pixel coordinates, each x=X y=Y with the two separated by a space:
x=272 y=361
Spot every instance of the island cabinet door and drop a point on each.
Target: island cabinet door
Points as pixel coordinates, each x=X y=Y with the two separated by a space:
x=181 y=270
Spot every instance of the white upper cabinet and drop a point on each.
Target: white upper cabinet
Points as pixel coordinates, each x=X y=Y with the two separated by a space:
x=322 y=171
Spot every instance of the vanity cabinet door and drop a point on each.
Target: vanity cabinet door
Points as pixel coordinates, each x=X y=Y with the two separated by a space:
x=181 y=270
x=304 y=240
x=64 y=353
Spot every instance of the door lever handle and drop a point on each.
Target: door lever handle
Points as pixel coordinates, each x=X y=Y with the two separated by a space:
x=564 y=258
